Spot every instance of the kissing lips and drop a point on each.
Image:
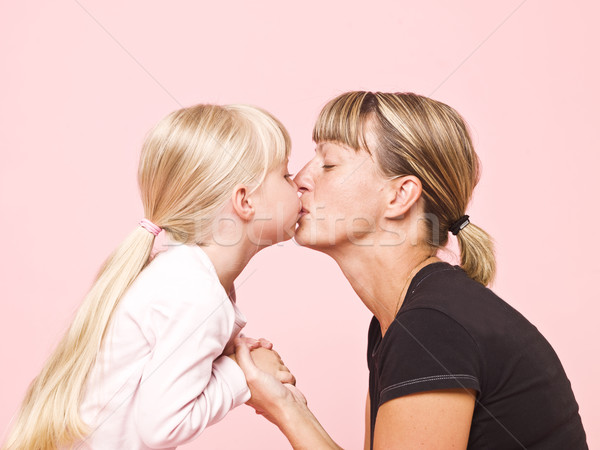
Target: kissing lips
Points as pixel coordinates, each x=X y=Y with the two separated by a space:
x=302 y=213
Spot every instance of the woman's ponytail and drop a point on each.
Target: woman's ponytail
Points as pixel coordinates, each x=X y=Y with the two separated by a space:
x=477 y=255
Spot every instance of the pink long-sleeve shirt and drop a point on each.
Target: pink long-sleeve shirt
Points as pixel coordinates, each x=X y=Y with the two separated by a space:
x=159 y=378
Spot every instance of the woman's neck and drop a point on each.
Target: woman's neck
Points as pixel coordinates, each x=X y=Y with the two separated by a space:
x=380 y=276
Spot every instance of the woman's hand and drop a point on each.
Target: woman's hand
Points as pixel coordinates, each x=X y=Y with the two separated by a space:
x=265 y=377
x=282 y=404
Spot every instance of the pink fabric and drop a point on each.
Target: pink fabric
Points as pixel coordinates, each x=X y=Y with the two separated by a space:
x=154 y=229
x=160 y=378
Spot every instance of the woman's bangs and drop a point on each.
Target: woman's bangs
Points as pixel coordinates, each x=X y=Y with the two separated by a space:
x=342 y=120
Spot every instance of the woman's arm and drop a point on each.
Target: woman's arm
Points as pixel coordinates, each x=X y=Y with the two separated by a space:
x=438 y=419
x=434 y=419
x=283 y=405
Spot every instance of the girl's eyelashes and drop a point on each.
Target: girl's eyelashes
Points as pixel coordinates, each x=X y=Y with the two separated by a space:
x=327 y=166
x=287 y=176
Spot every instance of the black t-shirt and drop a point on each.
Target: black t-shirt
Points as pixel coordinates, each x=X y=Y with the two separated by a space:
x=453 y=332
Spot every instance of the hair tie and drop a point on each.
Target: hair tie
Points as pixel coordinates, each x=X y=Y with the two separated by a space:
x=459 y=225
x=154 y=229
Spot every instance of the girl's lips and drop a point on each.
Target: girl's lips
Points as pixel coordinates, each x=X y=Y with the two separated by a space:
x=302 y=212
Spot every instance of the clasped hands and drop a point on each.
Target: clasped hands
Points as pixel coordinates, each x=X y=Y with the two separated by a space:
x=271 y=383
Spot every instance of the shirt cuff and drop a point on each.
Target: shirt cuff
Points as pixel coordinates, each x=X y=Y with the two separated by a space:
x=234 y=377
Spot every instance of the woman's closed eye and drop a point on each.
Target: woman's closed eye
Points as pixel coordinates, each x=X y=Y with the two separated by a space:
x=327 y=166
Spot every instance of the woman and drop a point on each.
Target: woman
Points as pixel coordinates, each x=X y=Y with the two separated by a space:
x=451 y=364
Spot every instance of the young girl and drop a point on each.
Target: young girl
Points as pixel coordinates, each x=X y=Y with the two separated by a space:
x=145 y=362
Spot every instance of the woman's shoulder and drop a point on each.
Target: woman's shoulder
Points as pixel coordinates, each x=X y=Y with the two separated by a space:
x=449 y=289
x=500 y=332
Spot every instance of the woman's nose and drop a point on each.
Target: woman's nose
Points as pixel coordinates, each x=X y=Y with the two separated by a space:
x=302 y=179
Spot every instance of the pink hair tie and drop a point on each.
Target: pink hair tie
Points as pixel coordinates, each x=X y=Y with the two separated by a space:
x=154 y=229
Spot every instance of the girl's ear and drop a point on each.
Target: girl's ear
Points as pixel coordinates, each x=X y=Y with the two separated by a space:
x=402 y=193
x=241 y=202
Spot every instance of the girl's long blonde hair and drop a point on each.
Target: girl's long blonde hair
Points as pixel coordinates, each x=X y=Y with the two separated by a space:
x=190 y=162
x=415 y=135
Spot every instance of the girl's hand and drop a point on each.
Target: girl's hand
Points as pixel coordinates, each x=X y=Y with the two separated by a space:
x=251 y=343
x=270 y=362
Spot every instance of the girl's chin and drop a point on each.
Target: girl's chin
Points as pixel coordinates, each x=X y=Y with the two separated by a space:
x=287 y=235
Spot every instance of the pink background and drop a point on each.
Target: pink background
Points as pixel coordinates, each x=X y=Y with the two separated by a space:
x=82 y=81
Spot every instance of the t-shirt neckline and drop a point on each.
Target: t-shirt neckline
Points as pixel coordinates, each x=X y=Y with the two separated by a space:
x=423 y=273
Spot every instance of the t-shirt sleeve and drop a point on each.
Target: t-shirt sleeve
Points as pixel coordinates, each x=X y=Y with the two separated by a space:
x=374 y=334
x=424 y=350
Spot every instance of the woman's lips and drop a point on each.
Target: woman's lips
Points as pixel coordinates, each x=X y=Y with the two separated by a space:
x=302 y=212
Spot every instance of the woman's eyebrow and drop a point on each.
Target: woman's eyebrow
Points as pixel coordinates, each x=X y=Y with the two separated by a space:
x=322 y=146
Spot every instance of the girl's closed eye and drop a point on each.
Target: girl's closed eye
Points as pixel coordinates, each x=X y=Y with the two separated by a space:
x=288 y=176
x=327 y=166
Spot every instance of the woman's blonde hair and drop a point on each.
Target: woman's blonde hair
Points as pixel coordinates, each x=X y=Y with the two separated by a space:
x=190 y=162
x=415 y=135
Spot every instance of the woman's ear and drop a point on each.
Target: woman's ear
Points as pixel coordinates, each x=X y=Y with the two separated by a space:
x=402 y=194
x=241 y=202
